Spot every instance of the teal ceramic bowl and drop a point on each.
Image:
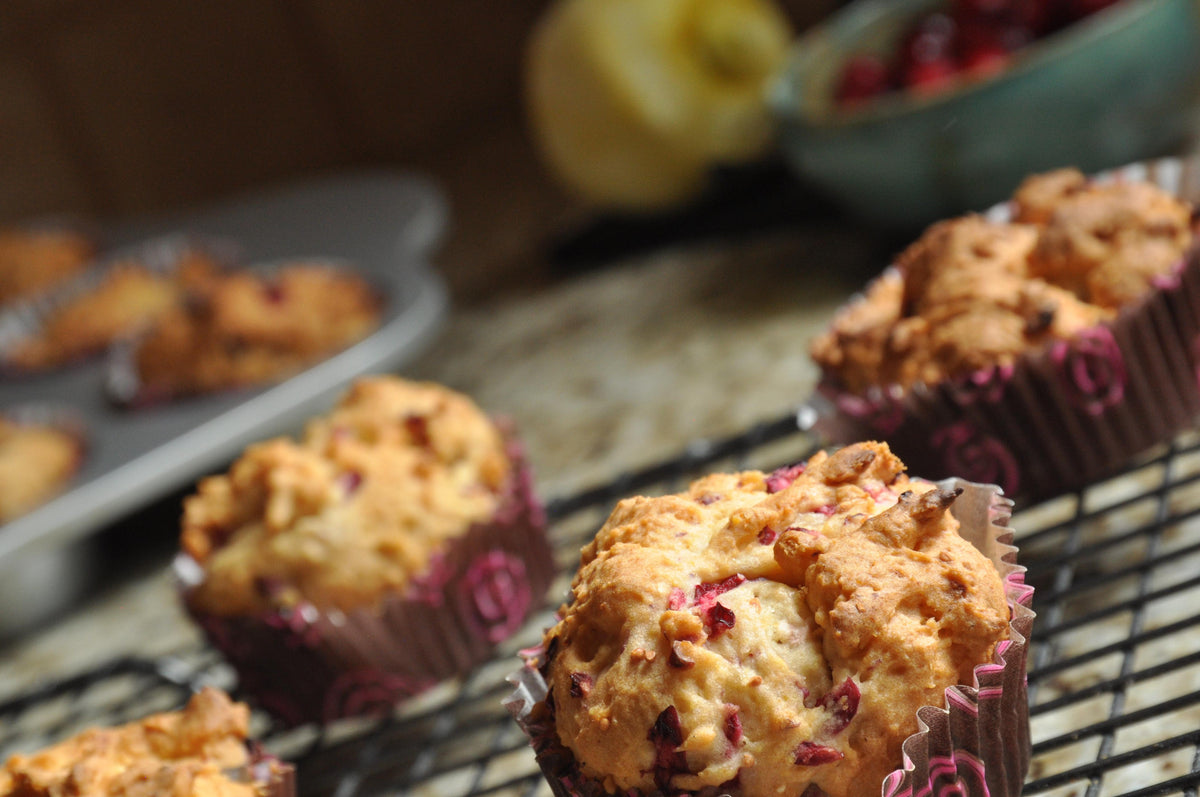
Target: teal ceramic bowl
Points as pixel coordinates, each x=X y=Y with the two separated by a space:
x=1119 y=86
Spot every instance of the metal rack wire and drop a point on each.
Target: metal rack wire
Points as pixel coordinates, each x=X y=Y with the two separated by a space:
x=1114 y=673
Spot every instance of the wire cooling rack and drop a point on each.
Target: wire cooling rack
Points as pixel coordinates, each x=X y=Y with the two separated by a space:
x=1114 y=680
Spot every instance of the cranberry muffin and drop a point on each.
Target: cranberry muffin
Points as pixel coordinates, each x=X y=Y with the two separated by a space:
x=1029 y=347
x=392 y=546
x=126 y=299
x=777 y=633
x=251 y=328
x=200 y=751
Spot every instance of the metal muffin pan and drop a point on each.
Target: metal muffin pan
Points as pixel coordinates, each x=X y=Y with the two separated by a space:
x=386 y=224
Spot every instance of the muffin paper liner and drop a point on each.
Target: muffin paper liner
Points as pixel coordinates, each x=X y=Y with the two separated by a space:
x=976 y=745
x=20 y=321
x=1064 y=415
x=123 y=383
x=306 y=665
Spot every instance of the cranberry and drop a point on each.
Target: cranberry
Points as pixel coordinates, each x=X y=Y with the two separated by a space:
x=733 y=725
x=677 y=599
x=811 y=754
x=930 y=76
x=767 y=536
x=863 y=77
x=783 y=477
x=581 y=684
x=719 y=619
x=418 y=429
x=679 y=659
x=666 y=735
x=931 y=40
x=350 y=481
x=706 y=594
x=985 y=59
x=842 y=703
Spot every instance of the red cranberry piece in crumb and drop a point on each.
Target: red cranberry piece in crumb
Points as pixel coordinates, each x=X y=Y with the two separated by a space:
x=767 y=536
x=273 y=293
x=677 y=599
x=707 y=499
x=350 y=481
x=707 y=593
x=733 y=725
x=581 y=684
x=417 y=427
x=842 y=703
x=862 y=77
x=783 y=477
x=666 y=735
x=811 y=754
x=719 y=619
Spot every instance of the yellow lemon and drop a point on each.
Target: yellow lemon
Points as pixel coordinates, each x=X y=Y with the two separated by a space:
x=632 y=101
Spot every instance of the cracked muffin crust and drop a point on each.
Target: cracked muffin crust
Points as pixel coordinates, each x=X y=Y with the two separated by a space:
x=200 y=751
x=769 y=633
x=972 y=294
x=353 y=510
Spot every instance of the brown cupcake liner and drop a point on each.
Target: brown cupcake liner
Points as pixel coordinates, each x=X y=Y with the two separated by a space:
x=976 y=745
x=123 y=383
x=21 y=321
x=1063 y=416
x=305 y=665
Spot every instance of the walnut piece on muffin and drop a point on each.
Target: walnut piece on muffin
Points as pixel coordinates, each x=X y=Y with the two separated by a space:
x=354 y=510
x=128 y=299
x=249 y=329
x=197 y=752
x=774 y=631
x=972 y=294
x=32 y=261
x=36 y=461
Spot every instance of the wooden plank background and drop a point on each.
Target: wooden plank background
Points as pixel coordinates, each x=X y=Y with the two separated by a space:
x=118 y=107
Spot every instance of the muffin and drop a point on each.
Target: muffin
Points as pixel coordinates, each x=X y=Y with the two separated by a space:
x=1039 y=347
x=38 y=457
x=251 y=328
x=392 y=546
x=778 y=633
x=34 y=260
x=200 y=751
x=128 y=297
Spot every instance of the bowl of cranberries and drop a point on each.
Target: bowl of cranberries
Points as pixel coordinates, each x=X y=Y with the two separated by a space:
x=907 y=111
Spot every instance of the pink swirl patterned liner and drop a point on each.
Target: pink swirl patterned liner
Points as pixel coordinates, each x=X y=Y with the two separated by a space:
x=1063 y=416
x=305 y=665
x=975 y=745
x=21 y=321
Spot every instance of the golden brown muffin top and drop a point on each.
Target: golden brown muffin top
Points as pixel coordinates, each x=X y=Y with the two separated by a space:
x=31 y=261
x=36 y=461
x=779 y=629
x=248 y=328
x=130 y=297
x=971 y=294
x=197 y=752
x=353 y=510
